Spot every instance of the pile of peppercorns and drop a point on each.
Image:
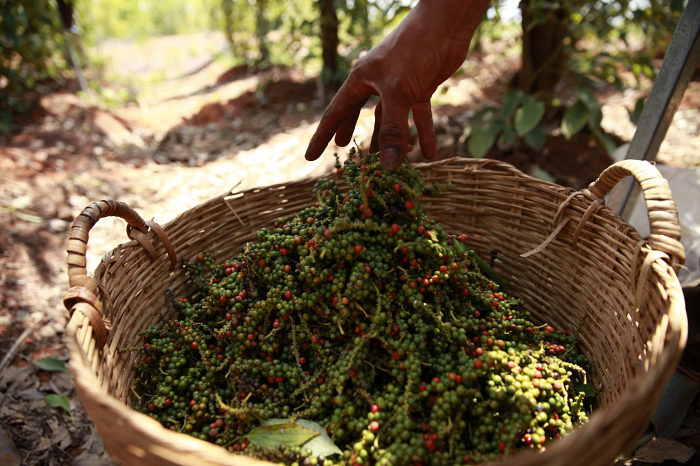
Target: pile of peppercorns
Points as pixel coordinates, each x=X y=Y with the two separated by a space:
x=361 y=314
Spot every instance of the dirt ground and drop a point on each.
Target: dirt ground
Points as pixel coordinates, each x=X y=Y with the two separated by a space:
x=204 y=131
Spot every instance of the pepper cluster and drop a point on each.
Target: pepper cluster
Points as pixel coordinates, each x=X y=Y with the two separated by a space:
x=362 y=315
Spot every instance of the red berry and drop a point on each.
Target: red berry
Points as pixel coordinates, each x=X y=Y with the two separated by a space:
x=409 y=205
x=302 y=360
x=478 y=364
x=374 y=426
x=374 y=408
x=358 y=248
x=194 y=345
x=395 y=228
x=288 y=294
x=397 y=188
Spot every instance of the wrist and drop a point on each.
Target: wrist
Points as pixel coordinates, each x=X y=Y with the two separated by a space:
x=457 y=19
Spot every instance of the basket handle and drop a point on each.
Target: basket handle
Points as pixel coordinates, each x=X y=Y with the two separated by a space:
x=82 y=293
x=665 y=229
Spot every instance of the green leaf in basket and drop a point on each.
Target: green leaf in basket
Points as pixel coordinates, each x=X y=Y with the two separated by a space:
x=490 y=273
x=51 y=364
x=319 y=445
x=587 y=390
x=289 y=434
x=574 y=119
x=58 y=401
x=528 y=117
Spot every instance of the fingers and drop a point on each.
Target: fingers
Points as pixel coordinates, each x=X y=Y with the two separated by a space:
x=350 y=98
x=347 y=127
x=423 y=118
x=374 y=144
x=393 y=133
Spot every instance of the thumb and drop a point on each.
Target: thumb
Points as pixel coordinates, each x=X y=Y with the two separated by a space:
x=393 y=133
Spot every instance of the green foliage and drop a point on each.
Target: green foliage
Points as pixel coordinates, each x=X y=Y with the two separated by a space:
x=637 y=112
x=586 y=111
x=603 y=36
x=30 y=52
x=126 y=19
x=51 y=364
x=518 y=120
x=59 y=401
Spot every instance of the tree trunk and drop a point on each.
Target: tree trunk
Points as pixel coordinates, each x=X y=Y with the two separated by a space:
x=363 y=18
x=261 y=30
x=227 y=7
x=329 y=40
x=543 y=53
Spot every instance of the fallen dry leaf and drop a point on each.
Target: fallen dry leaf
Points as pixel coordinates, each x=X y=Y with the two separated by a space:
x=659 y=450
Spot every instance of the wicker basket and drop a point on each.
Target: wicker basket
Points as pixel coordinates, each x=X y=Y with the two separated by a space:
x=580 y=259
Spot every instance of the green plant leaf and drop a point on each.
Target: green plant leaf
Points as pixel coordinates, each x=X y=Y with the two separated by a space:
x=528 y=117
x=29 y=217
x=507 y=136
x=637 y=112
x=587 y=390
x=575 y=119
x=511 y=102
x=588 y=99
x=51 y=364
x=490 y=272
x=289 y=434
x=535 y=138
x=21 y=202
x=605 y=140
x=541 y=174
x=481 y=140
x=484 y=117
x=58 y=401
x=320 y=445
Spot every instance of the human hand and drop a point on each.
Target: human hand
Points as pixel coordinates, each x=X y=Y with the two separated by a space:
x=404 y=70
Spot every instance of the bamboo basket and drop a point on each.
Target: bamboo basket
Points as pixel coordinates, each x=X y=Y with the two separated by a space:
x=563 y=252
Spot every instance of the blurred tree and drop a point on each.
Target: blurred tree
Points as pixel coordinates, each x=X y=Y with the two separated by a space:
x=30 y=52
x=329 y=40
x=580 y=38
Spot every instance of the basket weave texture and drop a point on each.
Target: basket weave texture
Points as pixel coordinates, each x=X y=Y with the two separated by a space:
x=581 y=261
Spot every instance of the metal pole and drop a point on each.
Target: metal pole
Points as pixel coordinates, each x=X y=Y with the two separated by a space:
x=682 y=57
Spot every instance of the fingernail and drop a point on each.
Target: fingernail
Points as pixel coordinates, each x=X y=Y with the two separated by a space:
x=391 y=158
